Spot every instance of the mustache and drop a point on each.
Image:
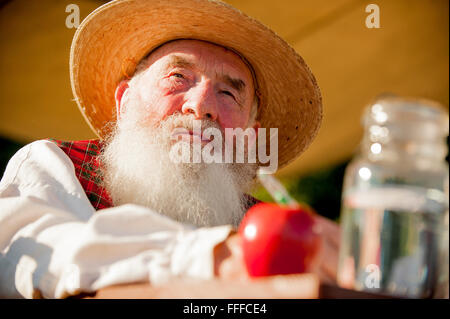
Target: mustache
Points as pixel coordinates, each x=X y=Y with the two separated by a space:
x=186 y=121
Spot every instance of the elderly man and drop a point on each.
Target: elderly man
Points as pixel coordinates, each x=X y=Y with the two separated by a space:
x=81 y=216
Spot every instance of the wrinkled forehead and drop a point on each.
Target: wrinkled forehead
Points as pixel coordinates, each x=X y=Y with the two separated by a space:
x=196 y=47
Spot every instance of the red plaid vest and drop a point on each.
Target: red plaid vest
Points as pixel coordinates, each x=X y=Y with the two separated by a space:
x=83 y=155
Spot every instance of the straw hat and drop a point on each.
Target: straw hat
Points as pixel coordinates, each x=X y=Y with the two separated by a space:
x=116 y=36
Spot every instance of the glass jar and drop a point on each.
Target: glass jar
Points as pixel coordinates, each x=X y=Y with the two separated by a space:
x=395 y=217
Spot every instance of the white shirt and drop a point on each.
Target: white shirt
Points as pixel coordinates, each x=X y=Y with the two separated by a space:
x=54 y=244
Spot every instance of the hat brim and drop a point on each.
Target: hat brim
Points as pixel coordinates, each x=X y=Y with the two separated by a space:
x=113 y=38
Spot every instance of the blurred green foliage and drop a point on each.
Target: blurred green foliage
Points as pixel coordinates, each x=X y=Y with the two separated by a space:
x=321 y=190
x=7 y=149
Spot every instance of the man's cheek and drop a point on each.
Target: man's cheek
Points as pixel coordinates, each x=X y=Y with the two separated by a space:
x=155 y=109
x=168 y=105
x=226 y=121
x=229 y=119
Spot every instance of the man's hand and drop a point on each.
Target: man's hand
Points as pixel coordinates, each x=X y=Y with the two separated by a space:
x=328 y=261
x=229 y=261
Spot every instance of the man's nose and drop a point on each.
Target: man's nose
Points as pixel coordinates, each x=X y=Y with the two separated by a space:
x=202 y=102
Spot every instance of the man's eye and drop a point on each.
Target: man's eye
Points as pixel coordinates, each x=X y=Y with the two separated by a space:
x=178 y=75
x=227 y=93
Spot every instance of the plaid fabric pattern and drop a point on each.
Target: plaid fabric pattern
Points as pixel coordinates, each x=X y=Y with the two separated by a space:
x=84 y=157
x=84 y=154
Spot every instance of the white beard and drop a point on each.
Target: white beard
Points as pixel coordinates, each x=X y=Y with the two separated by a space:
x=136 y=168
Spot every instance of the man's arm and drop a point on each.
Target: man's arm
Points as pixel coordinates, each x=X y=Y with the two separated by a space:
x=232 y=280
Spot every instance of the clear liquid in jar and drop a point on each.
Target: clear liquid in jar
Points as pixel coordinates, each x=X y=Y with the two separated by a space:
x=394 y=240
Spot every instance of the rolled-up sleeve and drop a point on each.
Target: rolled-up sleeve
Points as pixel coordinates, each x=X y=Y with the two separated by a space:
x=54 y=244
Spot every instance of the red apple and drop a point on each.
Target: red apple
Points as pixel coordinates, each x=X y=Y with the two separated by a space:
x=279 y=240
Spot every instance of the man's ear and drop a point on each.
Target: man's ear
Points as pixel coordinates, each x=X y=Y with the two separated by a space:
x=120 y=90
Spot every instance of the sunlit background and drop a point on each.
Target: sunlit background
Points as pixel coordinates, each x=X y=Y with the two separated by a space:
x=408 y=55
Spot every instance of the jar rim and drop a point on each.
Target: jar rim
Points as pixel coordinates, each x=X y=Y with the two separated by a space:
x=407 y=110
